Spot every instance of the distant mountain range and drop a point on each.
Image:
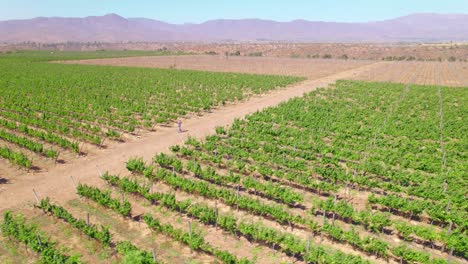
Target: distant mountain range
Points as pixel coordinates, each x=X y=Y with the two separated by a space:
x=426 y=27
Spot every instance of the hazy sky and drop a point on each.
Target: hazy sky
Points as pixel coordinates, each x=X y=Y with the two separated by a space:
x=180 y=11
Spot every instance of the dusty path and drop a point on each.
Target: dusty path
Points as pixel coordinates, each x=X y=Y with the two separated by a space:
x=57 y=184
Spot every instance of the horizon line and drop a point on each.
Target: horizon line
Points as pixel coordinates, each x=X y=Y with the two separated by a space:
x=235 y=19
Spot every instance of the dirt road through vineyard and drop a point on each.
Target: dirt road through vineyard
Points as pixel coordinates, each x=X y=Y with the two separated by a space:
x=57 y=184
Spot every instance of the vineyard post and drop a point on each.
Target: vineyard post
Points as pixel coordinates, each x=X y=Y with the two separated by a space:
x=445 y=181
x=334 y=205
x=39 y=240
x=190 y=228
x=87 y=219
x=348 y=190
x=101 y=145
x=35 y=195
x=324 y=216
x=99 y=171
x=73 y=181
x=190 y=232
x=449 y=231
x=29 y=167
x=237 y=197
x=450 y=255
x=217 y=213
x=154 y=256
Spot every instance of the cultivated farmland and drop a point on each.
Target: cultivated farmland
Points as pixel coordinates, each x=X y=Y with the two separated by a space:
x=310 y=68
x=317 y=164
x=356 y=172
x=50 y=109
x=425 y=73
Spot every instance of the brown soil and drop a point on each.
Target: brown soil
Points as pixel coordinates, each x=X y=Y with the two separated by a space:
x=141 y=236
x=374 y=51
x=239 y=247
x=244 y=216
x=13 y=252
x=91 y=251
x=424 y=73
x=56 y=182
x=311 y=69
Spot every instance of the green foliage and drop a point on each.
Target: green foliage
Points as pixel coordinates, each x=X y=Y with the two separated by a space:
x=379 y=137
x=16 y=227
x=136 y=165
x=100 y=233
x=256 y=54
x=131 y=254
x=104 y=198
x=220 y=130
x=287 y=243
x=193 y=239
x=15 y=157
x=54 y=102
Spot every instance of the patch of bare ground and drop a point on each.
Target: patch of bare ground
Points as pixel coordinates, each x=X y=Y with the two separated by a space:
x=453 y=74
x=69 y=237
x=359 y=201
x=390 y=236
x=373 y=51
x=136 y=232
x=300 y=231
x=238 y=246
x=311 y=69
x=13 y=252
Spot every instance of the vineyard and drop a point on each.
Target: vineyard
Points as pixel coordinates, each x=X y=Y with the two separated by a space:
x=50 y=112
x=356 y=173
x=424 y=73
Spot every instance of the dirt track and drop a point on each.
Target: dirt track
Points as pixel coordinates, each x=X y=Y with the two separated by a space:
x=57 y=184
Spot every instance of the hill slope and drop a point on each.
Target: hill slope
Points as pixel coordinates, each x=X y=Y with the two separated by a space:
x=114 y=28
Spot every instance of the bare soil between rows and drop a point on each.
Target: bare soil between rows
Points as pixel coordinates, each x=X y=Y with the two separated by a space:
x=417 y=72
x=56 y=181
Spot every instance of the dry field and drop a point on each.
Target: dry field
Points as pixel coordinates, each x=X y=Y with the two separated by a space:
x=311 y=69
x=373 y=51
x=426 y=73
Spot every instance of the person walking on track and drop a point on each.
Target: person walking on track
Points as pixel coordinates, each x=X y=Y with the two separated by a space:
x=179 y=126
